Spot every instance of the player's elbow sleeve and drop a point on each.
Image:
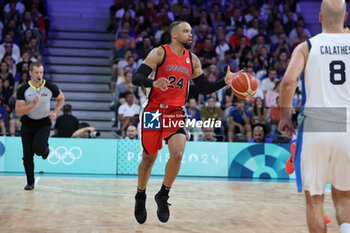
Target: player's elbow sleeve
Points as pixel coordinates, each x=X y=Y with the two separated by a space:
x=140 y=78
x=205 y=87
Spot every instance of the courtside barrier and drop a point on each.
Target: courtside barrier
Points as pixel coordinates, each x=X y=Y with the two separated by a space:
x=122 y=157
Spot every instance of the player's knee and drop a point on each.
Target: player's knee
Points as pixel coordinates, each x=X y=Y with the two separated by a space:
x=177 y=156
x=149 y=160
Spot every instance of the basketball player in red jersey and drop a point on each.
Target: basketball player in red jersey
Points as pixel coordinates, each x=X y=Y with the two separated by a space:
x=167 y=71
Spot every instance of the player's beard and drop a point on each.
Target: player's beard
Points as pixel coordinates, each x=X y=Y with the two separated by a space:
x=187 y=45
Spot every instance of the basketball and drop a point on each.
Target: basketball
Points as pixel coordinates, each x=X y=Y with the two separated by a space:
x=244 y=85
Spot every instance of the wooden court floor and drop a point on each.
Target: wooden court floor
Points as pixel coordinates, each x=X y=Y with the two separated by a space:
x=106 y=205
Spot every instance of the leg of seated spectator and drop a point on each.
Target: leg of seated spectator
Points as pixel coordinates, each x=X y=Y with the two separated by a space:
x=230 y=132
x=126 y=123
x=248 y=129
x=12 y=126
x=341 y=200
x=314 y=213
x=3 y=127
x=112 y=86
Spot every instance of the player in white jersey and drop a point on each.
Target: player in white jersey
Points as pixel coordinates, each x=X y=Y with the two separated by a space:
x=322 y=157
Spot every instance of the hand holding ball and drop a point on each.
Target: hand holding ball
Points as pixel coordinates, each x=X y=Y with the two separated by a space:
x=244 y=85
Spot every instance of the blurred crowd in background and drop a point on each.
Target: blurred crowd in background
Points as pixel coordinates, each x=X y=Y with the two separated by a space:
x=257 y=36
x=23 y=32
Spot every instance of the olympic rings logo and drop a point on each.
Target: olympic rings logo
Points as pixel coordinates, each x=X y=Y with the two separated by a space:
x=63 y=154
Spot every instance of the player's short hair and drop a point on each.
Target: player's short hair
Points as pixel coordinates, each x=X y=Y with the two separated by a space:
x=36 y=64
x=174 y=24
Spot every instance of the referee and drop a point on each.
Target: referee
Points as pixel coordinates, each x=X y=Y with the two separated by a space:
x=33 y=104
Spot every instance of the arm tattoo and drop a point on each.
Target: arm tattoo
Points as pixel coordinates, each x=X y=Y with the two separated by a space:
x=159 y=53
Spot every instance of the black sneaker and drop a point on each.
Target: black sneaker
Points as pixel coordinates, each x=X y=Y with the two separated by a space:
x=140 y=210
x=29 y=187
x=163 y=207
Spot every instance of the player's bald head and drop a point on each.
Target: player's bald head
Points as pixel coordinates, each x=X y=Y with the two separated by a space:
x=333 y=11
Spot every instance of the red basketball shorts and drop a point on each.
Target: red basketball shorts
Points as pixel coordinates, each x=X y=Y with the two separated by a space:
x=158 y=122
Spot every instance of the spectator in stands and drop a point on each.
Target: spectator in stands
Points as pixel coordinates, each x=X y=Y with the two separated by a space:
x=15 y=59
x=221 y=66
x=211 y=111
x=200 y=34
x=13 y=12
x=281 y=46
x=85 y=131
x=269 y=83
x=207 y=55
x=131 y=132
x=144 y=11
x=34 y=49
x=208 y=135
x=128 y=113
x=262 y=60
x=24 y=62
x=221 y=46
x=234 y=19
x=217 y=18
x=38 y=19
x=176 y=8
x=66 y=124
x=186 y=14
x=202 y=19
x=239 y=119
x=120 y=13
x=274 y=33
x=274 y=119
x=259 y=114
x=15 y=49
x=125 y=42
x=260 y=42
x=160 y=22
x=254 y=29
x=6 y=75
x=27 y=36
x=18 y=6
x=259 y=135
x=281 y=64
x=235 y=40
x=300 y=23
x=193 y=113
x=271 y=95
x=122 y=88
x=112 y=10
x=144 y=47
x=11 y=64
x=3 y=112
x=12 y=29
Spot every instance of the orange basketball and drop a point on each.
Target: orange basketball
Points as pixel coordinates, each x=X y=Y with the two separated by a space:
x=244 y=85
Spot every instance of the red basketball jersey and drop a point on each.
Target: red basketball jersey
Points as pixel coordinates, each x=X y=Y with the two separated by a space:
x=178 y=70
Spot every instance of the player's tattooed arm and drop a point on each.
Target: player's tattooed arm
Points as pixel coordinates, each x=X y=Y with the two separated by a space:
x=154 y=58
x=197 y=67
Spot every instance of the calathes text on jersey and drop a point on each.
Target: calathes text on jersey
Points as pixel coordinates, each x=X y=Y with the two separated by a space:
x=334 y=50
x=177 y=68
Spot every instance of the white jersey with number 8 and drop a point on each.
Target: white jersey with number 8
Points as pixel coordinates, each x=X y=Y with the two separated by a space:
x=327 y=78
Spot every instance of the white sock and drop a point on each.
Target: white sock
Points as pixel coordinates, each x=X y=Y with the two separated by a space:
x=345 y=228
